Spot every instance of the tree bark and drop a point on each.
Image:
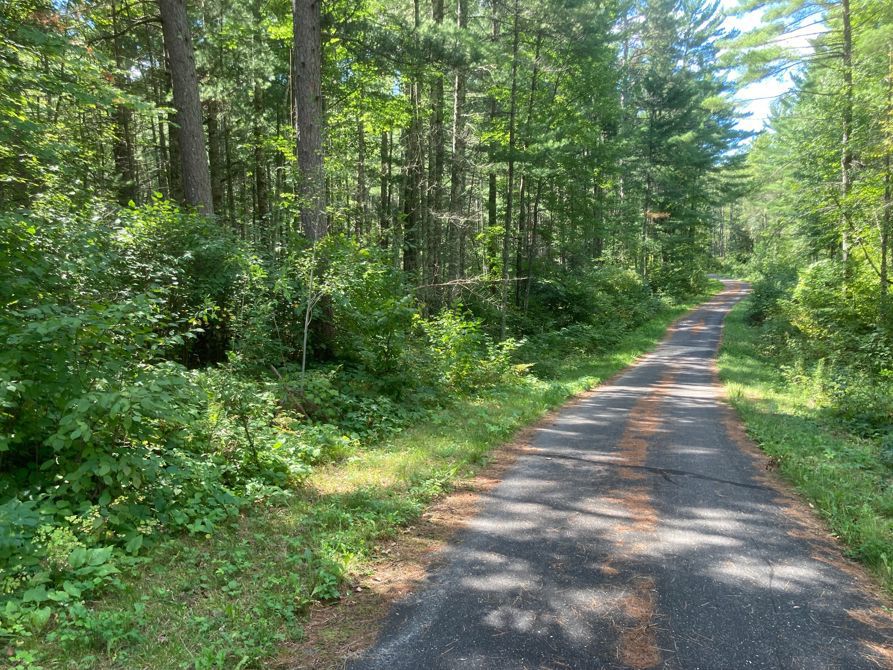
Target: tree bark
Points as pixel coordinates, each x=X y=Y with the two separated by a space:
x=491 y=177
x=261 y=187
x=193 y=158
x=215 y=156
x=125 y=164
x=412 y=199
x=510 y=187
x=523 y=237
x=309 y=112
x=384 y=177
x=435 y=162
x=457 y=166
x=412 y=183
x=887 y=215
x=362 y=195
x=846 y=157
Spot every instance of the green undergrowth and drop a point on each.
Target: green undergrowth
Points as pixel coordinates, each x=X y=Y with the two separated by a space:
x=847 y=477
x=234 y=598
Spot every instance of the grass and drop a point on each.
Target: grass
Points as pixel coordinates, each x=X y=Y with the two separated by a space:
x=842 y=476
x=234 y=599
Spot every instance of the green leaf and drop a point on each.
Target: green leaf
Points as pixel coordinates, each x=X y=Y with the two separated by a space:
x=40 y=617
x=77 y=558
x=71 y=589
x=36 y=595
x=134 y=544
x=99 y=556
x=59 y=596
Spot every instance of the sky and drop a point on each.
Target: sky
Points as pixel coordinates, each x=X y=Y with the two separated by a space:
x=757 y=98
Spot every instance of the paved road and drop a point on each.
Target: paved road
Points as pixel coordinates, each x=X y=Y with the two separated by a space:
x=641 y=533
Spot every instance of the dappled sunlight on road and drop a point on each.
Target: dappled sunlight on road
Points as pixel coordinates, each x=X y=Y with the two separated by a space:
x=637 y=533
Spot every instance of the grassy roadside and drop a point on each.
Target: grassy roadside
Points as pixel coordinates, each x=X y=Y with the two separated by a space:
x=843 y=476
x=235 y=598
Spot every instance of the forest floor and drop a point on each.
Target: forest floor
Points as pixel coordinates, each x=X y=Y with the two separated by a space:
x=639 y=527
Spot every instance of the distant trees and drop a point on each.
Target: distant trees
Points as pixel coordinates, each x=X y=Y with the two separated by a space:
x=487 y=144
x=822 y=178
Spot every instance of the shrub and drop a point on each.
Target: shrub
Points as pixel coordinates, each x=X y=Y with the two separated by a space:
x=465 y=359
x=862 y=402
x=773 y=285
x=678 y=279
x=104 y=438
x=602 y=297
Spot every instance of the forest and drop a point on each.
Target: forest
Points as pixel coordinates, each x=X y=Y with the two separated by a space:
x=275 y=276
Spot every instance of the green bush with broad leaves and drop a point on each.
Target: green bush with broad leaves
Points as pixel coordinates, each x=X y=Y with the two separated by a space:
x=105 y=437
x=832 y=337
x=464 y=359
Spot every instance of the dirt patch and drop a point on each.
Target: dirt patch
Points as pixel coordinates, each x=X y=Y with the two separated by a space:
x=874 y=616
x=636 y=643
x=644 y=422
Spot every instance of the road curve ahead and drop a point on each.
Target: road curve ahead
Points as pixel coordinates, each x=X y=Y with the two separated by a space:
x=641 y=532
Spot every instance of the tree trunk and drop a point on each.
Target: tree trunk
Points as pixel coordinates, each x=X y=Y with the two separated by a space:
x=174 y=163
x=362 y=196
x=193 y=159
x=531 y=249
x=309 y=112
x=510 y=188
x=435 y=161
x=215 y=156
x=846 y=157
x=412 y=200
x=261 y=188
x=888 y=194
x=230 y=190
x=491 y=178
x=457 y=166
x=125 y=165
x=523 y=237
x=384 y=214
x=412 y=182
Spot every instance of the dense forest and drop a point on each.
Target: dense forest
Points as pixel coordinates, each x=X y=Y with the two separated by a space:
x=245 y=242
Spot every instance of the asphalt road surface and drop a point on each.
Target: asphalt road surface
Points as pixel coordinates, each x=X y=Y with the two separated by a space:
x=641 y=532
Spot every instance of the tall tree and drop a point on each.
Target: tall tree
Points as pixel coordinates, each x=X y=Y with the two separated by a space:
x=193 y=157
x=309 y=112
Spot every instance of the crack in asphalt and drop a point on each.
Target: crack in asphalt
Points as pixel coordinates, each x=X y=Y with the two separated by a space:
x=663 y=472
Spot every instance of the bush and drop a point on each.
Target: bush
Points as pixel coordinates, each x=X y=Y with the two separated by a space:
x=772 y=286
x=679 y=279
x=202 y=267
x=465 y=359
x=862 y=402
x=606 y=297
x=104 y=437
x=373 y=312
